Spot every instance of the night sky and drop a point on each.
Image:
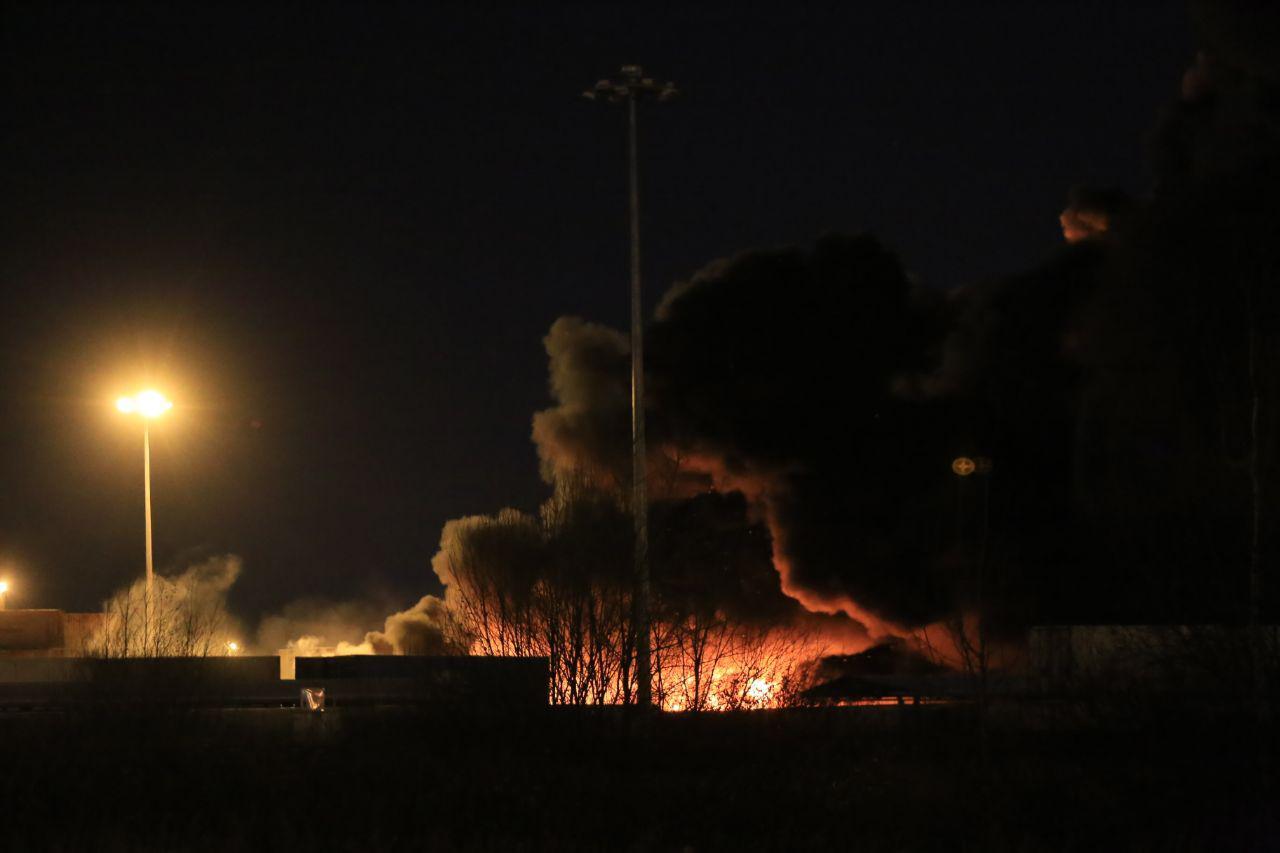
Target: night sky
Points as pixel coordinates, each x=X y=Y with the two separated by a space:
x=336 y=237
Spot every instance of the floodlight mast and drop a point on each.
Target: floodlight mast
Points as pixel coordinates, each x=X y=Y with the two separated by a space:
x=148 y=404
x=630 y=87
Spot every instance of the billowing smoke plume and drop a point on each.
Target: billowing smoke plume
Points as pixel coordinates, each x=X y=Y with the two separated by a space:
x=1115 y=386
x=772 y=377
x=806 y=404
x=1111 y=388
x=187 y=615
x=427 y=628
x=559 y=584
x=324 y=628
x=308 y=625
x=589 y=430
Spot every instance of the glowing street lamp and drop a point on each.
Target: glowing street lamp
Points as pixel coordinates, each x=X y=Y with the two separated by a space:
x=148 y=405
x=233 y=647
x=4 y=594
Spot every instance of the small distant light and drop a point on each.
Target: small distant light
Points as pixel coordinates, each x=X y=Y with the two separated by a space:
x=963 y=466
x=233 y=647
x=4 y=587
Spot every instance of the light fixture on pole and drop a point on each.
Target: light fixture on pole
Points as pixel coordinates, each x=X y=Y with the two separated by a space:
x=629 y=87
x=148 y=405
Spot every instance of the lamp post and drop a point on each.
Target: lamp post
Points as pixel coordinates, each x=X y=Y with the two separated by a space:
x=148 y=405
x=964 y=467
x=629 y=87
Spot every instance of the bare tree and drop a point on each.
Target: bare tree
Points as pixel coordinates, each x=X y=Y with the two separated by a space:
x=188 y=615
x=554 y=585
x=559 y=585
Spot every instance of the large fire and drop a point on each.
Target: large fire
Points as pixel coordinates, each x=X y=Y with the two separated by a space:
x=712 y=666
x=733 y=668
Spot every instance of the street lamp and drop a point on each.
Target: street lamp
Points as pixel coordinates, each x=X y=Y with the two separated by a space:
x=4 y=594
x=148 y=405
x=965 y=467
x=630 y=87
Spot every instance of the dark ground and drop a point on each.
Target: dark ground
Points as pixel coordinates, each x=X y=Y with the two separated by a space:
x=860 y=779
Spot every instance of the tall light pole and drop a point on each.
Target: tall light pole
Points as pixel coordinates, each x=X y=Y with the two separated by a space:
x=630 y=87
x=149 y=405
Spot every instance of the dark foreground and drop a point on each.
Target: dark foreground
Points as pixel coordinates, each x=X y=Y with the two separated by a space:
x=387 y=779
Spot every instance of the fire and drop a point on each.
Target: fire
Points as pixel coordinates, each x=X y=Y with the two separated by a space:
x=725 y=694
x=1082 y=224
x=719 y=666
x=711 y=663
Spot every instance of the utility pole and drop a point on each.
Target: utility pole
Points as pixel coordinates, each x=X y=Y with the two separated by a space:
x=630 y=87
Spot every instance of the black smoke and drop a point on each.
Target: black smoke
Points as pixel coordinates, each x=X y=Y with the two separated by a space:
x=1113 y=389
x=1116 y=386
x=805 y=404
x=772 y=375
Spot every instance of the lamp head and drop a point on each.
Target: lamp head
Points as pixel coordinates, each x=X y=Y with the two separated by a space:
x=148 y=404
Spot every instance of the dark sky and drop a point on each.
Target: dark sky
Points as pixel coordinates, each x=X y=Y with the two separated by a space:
x=337 y=237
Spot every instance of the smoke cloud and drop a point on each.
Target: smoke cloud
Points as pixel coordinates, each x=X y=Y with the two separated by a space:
x=188 y=614
x=312 y=628
x=309 y=625
x=589 y=429
x=805 y=405
x=771 y=376
x=427 y=628
x=1110 y=386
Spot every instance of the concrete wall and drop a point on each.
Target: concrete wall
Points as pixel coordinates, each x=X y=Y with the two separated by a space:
x=475 y=679
x=289 y=657
x=172 y=672
x=30 y=630
x=46 y=633
x=40 y=670
x=488 y=684
x=181 y=672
